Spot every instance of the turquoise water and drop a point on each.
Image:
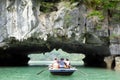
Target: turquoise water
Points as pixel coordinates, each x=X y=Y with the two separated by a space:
x=30 y=73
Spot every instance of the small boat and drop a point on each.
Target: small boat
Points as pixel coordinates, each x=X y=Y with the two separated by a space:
x=62 y=71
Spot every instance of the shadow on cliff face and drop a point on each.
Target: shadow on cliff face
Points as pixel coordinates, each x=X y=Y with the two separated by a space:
x=13 y=59
x=18 y=56
x=16 y=53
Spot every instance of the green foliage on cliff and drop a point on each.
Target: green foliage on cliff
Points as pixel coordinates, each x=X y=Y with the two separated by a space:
x=96 y=13
x=101 y=4
x=48 y=7
x=101 y=9
x=56 y=1
x=51 y=5
x=71 y=1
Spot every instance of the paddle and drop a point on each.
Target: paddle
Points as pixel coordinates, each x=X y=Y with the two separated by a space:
x=42 y=71
x=83 y=72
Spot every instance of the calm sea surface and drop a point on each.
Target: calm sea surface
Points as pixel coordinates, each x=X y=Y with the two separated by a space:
x=30 y=73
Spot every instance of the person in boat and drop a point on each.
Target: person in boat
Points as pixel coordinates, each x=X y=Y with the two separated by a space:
x=62 y=64
x=55 y=60
x=67 y=62
x=55 y=64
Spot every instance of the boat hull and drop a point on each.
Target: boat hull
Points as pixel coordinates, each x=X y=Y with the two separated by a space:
x=62 y=71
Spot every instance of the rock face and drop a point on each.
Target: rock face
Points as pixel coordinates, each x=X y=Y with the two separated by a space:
x=22 y=20
x=17 y=18
x=117 y=67
x=109 y=61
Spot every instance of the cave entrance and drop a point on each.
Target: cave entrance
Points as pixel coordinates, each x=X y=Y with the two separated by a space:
x=41 y=59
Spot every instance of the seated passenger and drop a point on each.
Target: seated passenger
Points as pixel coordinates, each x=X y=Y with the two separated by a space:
x=67 y=63
x=55 y=64
x=55 y=60
x=62 y=63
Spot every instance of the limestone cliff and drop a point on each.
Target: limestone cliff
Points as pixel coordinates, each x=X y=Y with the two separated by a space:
x=22 y=19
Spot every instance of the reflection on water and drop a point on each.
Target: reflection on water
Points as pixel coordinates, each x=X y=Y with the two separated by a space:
x=52 y=77
x=30 y=73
